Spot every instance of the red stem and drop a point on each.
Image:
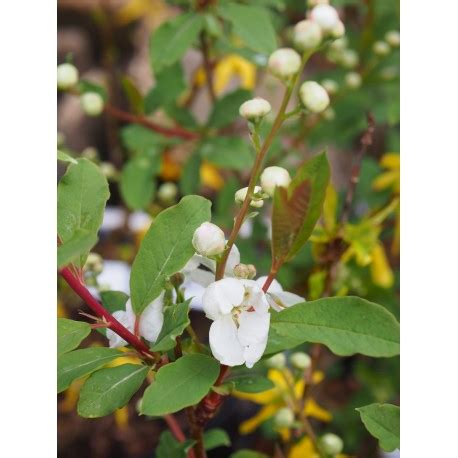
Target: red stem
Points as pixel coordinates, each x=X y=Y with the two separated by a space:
x=79 y=288
x=144 y=121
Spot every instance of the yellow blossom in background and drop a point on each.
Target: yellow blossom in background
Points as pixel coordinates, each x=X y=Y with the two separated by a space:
x=170 y=169
x=305 y=449
x=210 y=176
x=153 y=11
x=280 y=396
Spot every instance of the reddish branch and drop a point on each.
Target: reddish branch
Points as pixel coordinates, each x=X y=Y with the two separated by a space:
x=177 y=131
x=76 y=284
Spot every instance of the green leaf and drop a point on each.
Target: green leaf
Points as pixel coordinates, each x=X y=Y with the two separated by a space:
x=226 y=109
x=169 y=447
x=383 y=422
x=190 y=178
x=216 y=437
x=114 y=301
x=62 y=156
x=81 y=197
x=70 y=334
x=109 y=389
x=88 y=86
x=78 y=363
x=71 y=251
x=133 y=94
x=180 y=384
x=171 y=40
x=252 y=24
x=245 y=453
x=138 y=184
x=175 y=321
x=166 y=248
x=227 y=152
x=297 y=209
x=251 y=383
x=347 y=325
x=142 y=141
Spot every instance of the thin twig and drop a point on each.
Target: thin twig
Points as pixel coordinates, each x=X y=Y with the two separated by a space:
x=207 y=65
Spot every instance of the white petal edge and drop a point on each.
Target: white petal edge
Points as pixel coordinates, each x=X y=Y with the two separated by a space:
x=224 y=343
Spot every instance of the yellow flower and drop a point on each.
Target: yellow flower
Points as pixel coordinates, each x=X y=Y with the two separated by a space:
x=170 y=168
x=210 y=176
x=153 y=11
x=279 y=396
x=305 y=449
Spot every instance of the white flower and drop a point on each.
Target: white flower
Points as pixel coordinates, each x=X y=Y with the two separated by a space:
x=349 y=58
x=255 y=109
x=381 y=48
x=274 y=176
x=92 y=103
x=277 y=298
x=307 y=35
x=353 y=80
x=150 y=325
x=393 y=38
x=209 y=240
x=167 y=191
x=240 y=196
x=284 y=63
x=314 y=96
x=241 y=319
x=331 y=444
x=331 y=86
x=67 y=76
x=326 y=17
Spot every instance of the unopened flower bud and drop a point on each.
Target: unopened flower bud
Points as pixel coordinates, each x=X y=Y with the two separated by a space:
x=277 y=361
x=339 y=30
x=167 y=192
x=209 y=240
x=331 y=444
x=94 y=263
x=67 y=76
x=90 y=152
x=108 y=170
x=92 y=103
x=284 y=63
x=284 y=418
x=255 y=109
x=326 y=17
x=300 y=360
x=314 y=96
x=177 y=279
x=274 y=176
x=349 y=58
x=353 y=80
x=241 y=194
x=251 y=271
x=389 y=73
x=381 y=48
x=331 y=86
x=329 y=114
x=393 y=38
x=241 y=271
x=307 y=35
x=340 y=44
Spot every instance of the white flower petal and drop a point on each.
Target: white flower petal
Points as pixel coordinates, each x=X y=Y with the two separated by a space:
x=152 y=319
x=283 y=299
x=274 y=287
x=202 y=277
x=222 y=296
x=253 y=327
x=194 y=291
x=191 y=265
x=125 y=319
x=256 y=297
x=232 y=260
x=253 y=353
x=224 y=343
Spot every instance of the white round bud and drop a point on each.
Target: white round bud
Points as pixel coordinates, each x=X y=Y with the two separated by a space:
x=389 y=73
x=353 y=80
x=209 y=240
x=277 y=361
x=255 y=109
x=251 y=271
x=274 y=176
x=326 y=17
x=284 y=418
x=92 y=103
x=331 y=444
x=67 y=76
x=339 y=30
x=329 y=114
x=241 y=271
x=241 y=194
x=300 y=360
x=314 y=96
x=381 y=48
x=90 y=152
x=108 y=169
x=307 y=35
x=168 y=191
x=340 y=44
x=94 y=263
x=349 y=58
x=284 y=63
x=331 y=86
x=393 y=38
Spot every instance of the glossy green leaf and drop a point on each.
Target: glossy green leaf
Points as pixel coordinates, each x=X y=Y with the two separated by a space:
x=226 y=109
x=170 y=41
x=180 y=384
x=216 y=437
x=347 y=325
x=138 y=184
x=252 y=24
x=114 y=300
x=80 y=243
x=169 y=447
x=166 y=248
x=383 y=422
x=175 y=321
x=251 y=383
x=89 y=86
x=63 y=156
x=227 y=152
x=78 y=363
x=109 y=389
x=133 y=94
x=81 y=197
x=143 y=141
x=70 y=334
x=190 y=177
